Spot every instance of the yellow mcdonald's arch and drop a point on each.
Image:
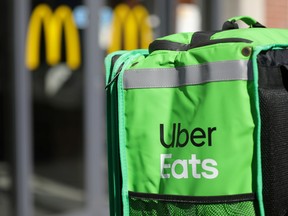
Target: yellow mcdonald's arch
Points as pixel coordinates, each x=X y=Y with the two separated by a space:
x=52 y=23
x=130 y=28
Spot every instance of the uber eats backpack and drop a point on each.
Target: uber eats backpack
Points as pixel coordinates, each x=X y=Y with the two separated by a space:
x=198 y=124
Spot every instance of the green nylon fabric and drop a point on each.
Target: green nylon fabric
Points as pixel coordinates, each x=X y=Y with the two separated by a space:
x=246 y=19
x=258 y=132
x=202 y=170
x=134 y=55
x=258 y=36
x=201 y=55
x=199 y=106
x=115 y=187
x=196 y=114
x=112 y=137
x=179 y=38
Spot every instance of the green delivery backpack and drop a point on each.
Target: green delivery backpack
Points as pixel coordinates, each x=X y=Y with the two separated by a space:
x=198 y=124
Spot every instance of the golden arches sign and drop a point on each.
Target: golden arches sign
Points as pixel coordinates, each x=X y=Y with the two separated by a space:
x=130 y=28
x=52 y=23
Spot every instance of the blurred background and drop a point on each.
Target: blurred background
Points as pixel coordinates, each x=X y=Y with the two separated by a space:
x=52 y=89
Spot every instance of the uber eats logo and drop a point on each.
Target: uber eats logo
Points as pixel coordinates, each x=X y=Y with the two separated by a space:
x=192 y=167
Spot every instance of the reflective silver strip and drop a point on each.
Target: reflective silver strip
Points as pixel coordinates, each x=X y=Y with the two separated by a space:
x=188 y=75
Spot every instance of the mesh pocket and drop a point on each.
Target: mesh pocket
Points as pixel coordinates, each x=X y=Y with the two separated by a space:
x=274 y=139
x=154 y=207
x=273 y=95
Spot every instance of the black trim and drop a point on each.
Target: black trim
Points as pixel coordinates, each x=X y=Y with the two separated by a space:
x=167 y=45
x=194 y=199
x=113 y=61
x=175 y=46
x=112 y=80
x=228 y=25
x=273 y=69
x=258 y=25
x=202 y=36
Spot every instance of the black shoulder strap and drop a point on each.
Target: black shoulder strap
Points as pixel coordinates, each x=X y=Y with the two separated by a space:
x=201 y=37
